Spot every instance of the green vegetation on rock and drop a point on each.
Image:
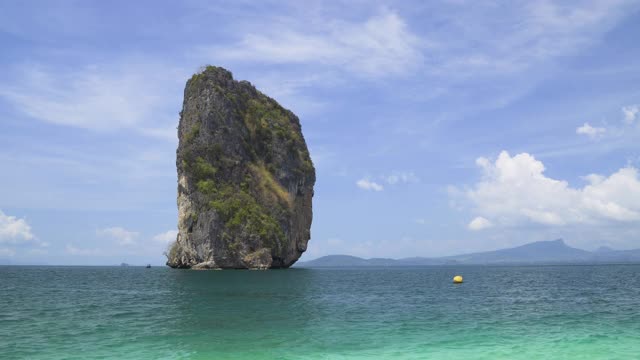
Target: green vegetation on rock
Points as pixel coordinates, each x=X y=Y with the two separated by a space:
x=237 y=207
x=203 y=170
x=193 y=133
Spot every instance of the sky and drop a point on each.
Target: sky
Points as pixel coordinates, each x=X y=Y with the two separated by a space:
x=436 y=128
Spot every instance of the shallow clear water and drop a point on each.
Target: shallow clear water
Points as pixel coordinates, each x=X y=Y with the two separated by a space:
x=552 y=312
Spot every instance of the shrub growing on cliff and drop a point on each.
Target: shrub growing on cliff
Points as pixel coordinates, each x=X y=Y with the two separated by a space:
x=172 y=251
x=193 y=133
x=241 y=212
x=203 y=170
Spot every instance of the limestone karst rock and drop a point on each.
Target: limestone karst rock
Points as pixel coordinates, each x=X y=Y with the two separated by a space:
x=245 y=178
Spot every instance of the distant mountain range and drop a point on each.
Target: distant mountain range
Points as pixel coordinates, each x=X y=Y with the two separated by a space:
x=541 y=252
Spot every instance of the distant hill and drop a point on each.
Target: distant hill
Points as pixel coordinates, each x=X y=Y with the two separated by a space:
x=540 y=252
x=339 y=260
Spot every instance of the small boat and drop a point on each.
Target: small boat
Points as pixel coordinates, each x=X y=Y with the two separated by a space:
x=148 y=266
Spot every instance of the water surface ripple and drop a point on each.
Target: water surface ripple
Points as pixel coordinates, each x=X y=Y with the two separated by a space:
x=533 y=312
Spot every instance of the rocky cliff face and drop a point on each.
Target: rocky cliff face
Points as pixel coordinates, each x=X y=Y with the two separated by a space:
x=245 y=178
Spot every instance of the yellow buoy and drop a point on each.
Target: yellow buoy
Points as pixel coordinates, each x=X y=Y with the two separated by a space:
x=457 y=279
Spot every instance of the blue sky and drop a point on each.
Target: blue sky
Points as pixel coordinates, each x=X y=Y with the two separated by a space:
x=436 y=128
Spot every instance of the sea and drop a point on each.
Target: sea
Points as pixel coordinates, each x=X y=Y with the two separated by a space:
x=499 y=312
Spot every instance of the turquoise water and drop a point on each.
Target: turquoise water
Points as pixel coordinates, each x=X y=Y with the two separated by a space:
x=553 y=312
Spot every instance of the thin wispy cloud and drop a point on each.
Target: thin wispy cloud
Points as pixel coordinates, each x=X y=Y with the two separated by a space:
x=526 y=35
x=590 y=131
x=74 y=250
x=382 y=45
x=98 y=98
x=401 y=177
x=132 y=173
x=121 y=235
x=394 y=179
x=166 y=237
x=385 y=44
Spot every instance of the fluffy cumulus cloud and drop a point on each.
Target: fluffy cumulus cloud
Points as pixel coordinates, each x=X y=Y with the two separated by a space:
x=14 y=230
x=590 y=131
x=367 y=184
x=121 y=235
x=514 y=190
x=630 y=113
x=166 y=237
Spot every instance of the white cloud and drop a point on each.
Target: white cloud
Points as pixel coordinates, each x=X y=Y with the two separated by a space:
x=630 y=113
x=121 y=235
x=366 y=184
x=166 y=237
x=73 y=250
x=479 y=223
x=99 y=98
x=14 y=230
x=394 y=179
x=472 y=41
x=382 y=45
x=590 y=131
x=401 y=178
x=458 y=46
x=514 y=191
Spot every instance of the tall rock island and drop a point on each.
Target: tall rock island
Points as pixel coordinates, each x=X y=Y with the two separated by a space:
x=245 y=178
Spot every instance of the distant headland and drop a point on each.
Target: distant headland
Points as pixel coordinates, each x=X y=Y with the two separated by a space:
x=541 y=252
